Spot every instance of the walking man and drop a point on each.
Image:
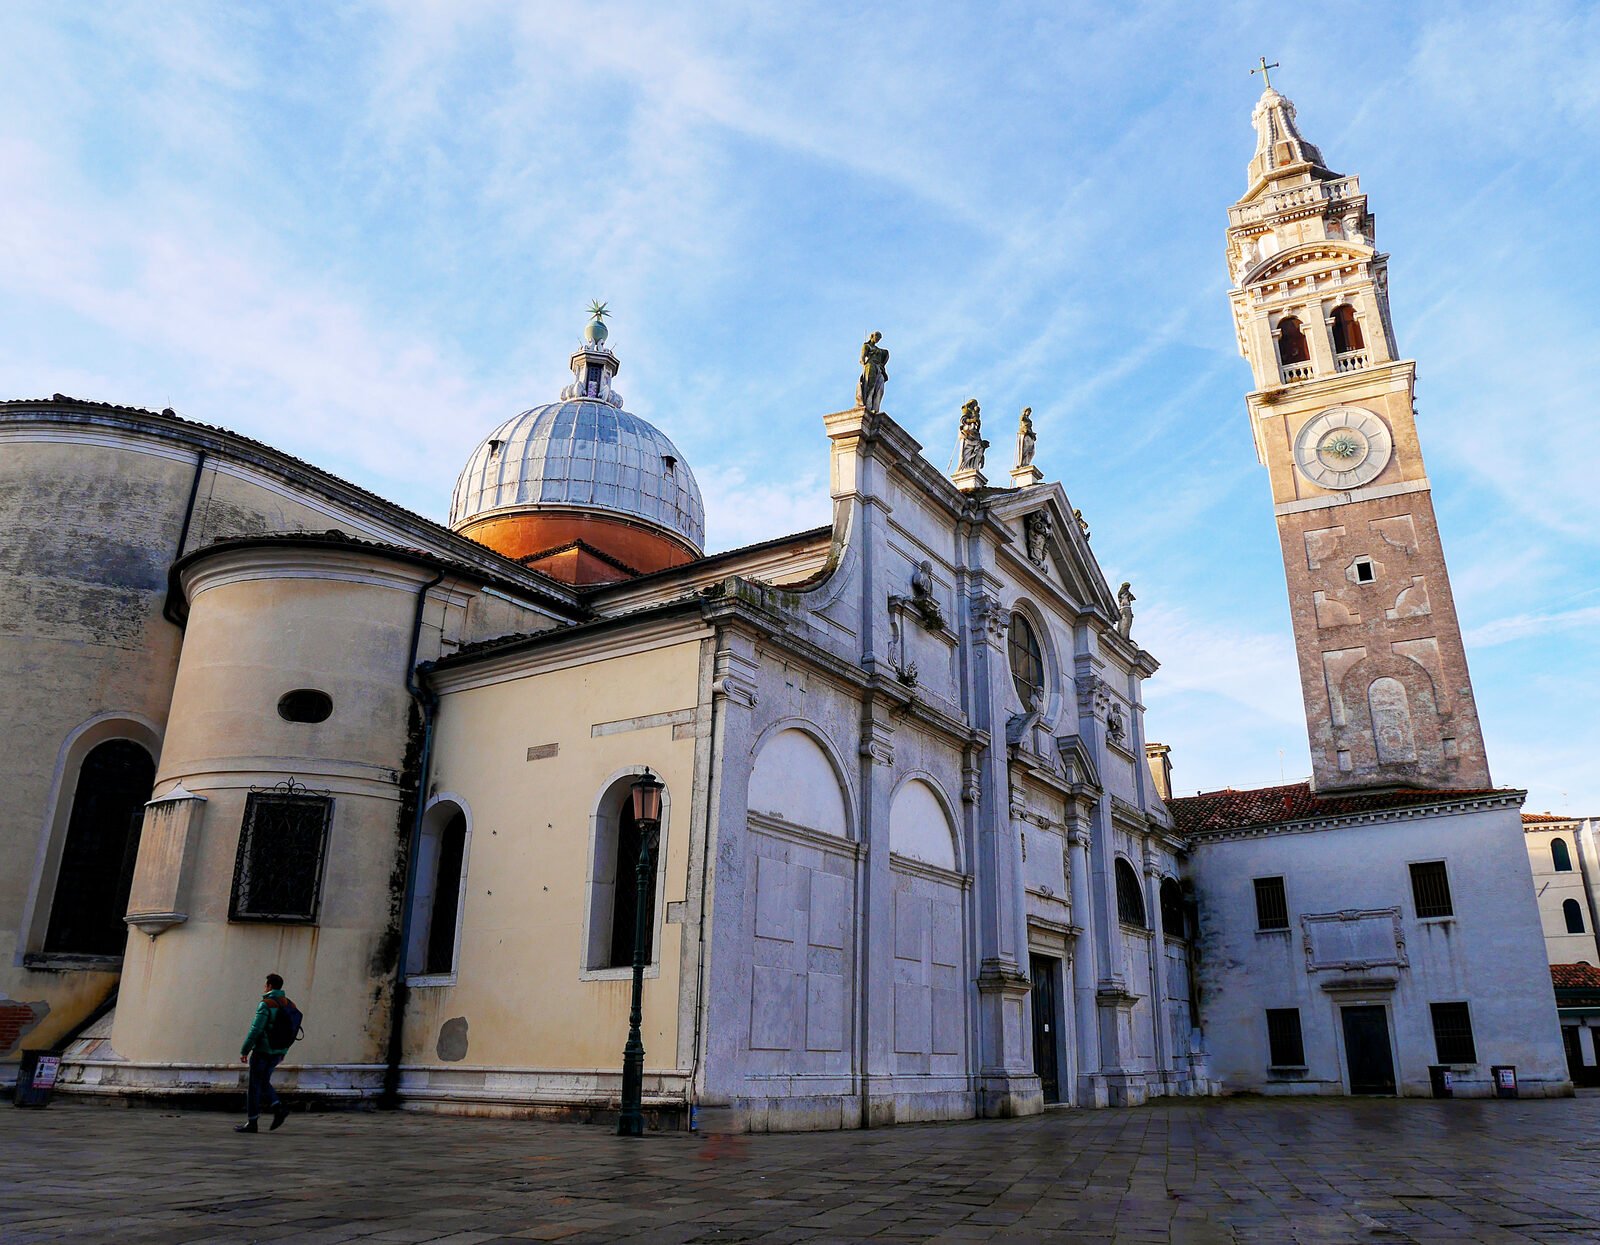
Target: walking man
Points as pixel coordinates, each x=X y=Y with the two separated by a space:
x=264 y=1048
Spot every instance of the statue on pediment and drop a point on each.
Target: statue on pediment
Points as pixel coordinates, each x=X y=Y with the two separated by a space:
x=972 y=443
x=874 y=375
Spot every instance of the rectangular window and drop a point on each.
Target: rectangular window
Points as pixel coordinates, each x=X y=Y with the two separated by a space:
x=1284 y=1045
x=1272 y=906
x=1452 y=1033
x=1430 y=889
x=278 y=872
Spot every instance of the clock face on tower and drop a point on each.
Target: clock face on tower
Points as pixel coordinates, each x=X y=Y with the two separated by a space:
x=1343 y=448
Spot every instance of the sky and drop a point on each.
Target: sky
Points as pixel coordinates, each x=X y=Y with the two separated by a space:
x=367 y=234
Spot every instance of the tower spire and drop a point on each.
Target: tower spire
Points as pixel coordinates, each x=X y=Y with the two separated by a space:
x=1282 y=152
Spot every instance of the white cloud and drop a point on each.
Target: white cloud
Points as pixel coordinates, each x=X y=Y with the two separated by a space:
x=1526 y=626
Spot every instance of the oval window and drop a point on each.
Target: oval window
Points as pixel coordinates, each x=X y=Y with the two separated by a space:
x=1027 y=662
x=305 y=704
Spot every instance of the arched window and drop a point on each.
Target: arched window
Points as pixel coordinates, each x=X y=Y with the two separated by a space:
x=1174 y=917
x=1574 y=915
x=102 y=843
x=625 y=907
x=1130 y=897
x=1292 y=346
x=1027 y=661
x=1346 y=329
x=1559 y=856
x=441 y=881
x=614 y=879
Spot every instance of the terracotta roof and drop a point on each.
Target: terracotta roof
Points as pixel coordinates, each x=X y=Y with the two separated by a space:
x=1533 y=819
x=584 y=547
x=1575 y=976
x=1264 y=806
x=700 y=565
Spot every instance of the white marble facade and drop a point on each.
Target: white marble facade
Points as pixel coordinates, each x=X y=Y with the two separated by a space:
x=901 y=845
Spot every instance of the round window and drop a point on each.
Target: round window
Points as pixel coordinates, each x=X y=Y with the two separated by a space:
x=1027 y=662
x=305 y=704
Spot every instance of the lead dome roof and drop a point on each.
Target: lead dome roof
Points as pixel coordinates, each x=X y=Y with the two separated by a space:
x=583 y=453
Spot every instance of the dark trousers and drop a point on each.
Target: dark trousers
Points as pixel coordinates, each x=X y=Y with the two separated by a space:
x=260 y=1094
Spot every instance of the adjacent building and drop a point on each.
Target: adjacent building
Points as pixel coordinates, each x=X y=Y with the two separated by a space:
x=1565 y=864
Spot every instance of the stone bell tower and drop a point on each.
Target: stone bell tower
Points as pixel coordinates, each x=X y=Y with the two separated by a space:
x=1382 y=669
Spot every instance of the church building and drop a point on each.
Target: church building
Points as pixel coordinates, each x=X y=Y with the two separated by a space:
x=916 y=858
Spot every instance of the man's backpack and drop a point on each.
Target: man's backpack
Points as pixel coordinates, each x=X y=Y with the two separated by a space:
x=283 y=1025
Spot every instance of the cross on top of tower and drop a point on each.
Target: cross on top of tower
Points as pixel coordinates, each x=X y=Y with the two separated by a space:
x=1261 y=69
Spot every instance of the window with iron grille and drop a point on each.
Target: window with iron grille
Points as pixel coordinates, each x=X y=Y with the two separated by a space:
x=1452 y=1033
x=1285 y=1047
x=1272 y=905
x=1130 y=896
x=278 y=872
x=1430 y=889
x=1174 y=913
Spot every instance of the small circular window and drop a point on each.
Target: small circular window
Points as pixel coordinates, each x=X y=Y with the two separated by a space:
x=1027 y=663
x=305 y=704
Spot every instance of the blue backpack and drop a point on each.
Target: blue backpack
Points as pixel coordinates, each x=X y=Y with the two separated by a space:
x=283 y=1026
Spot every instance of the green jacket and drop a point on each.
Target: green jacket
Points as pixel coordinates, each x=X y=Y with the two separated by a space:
x=256 y=1039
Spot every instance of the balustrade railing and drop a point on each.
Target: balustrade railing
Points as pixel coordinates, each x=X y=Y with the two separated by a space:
x=1295 y=197
x=1350 y=361
x=1297 y=371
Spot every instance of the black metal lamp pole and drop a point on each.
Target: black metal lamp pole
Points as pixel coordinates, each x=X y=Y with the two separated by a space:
x=647 y=816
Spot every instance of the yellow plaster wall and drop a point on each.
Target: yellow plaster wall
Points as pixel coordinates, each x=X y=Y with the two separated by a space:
x=188 y=994
x=519 y=984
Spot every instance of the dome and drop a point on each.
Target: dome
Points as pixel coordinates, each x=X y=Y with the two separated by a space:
x=579 y=488
x=582 y=454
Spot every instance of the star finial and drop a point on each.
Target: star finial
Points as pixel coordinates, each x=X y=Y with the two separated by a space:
x=597 y=309
x=1262 y=68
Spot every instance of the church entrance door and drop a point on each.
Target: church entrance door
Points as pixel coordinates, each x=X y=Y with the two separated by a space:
x=1366 y=1048
x=1045 y=972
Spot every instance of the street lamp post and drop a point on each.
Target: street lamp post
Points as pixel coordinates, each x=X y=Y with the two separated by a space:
x=646 y=795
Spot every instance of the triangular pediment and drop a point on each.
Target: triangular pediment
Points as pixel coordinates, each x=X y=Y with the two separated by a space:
x=1068 y=562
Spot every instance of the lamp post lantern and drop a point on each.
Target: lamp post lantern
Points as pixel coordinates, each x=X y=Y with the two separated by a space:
x=646 y=797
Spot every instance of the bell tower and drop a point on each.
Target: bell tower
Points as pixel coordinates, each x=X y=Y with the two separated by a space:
x=1382 y=668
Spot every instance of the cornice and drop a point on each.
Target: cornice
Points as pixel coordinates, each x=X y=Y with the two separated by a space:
x=1285 y=399
x=218 y=566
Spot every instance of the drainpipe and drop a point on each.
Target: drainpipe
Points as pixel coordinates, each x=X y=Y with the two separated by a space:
x=428 y=705
x=183 y=536
x=713 y=811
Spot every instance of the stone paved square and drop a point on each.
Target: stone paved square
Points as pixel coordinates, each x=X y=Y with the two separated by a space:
x=1273 y=1170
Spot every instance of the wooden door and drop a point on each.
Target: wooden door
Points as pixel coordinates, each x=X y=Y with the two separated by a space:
x=1366 y=1048
x=1046 y=972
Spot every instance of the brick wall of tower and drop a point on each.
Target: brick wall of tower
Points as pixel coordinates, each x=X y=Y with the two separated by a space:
x=1382 y=667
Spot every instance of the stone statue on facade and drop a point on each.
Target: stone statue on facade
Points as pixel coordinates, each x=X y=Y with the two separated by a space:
x=1083 y=523
x=972 y=443
x=1125 y=600
x=1037 y=528
x=874 y=375
x=1026 y=440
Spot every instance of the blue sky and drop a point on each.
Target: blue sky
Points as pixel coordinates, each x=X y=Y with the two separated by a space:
x=367 y=233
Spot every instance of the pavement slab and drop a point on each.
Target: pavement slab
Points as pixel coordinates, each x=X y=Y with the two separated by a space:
x=1301 y=1171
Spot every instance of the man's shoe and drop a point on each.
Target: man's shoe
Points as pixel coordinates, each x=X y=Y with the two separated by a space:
x=279 y=1114
x=246 y=1128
